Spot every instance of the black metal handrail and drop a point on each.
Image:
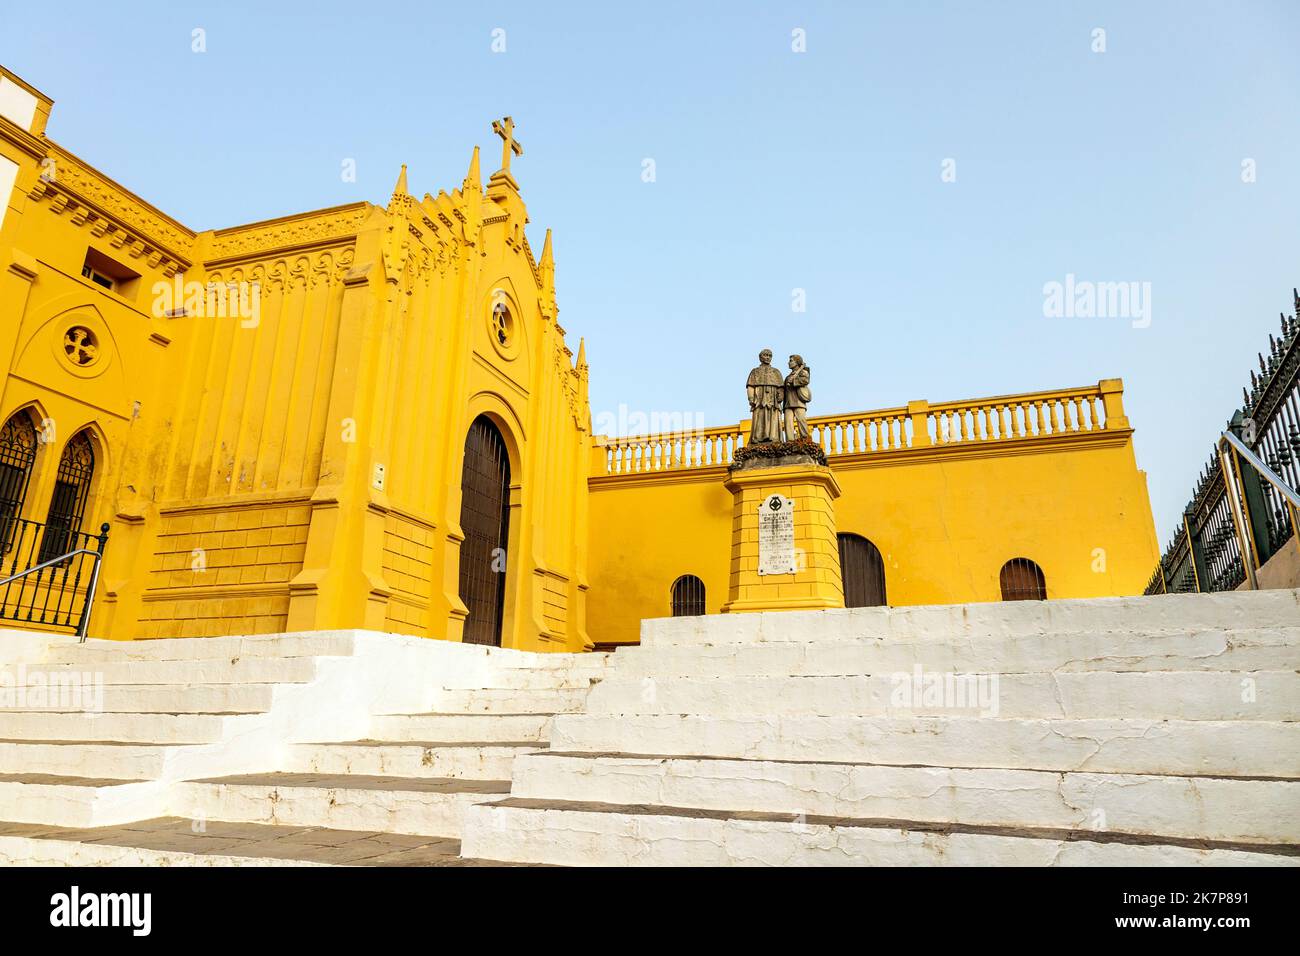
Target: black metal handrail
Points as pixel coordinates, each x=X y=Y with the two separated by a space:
x=1231 y=451
x=42 y=598
x=1239 y=517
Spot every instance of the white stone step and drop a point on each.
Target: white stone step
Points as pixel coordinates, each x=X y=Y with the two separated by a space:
x=471 y=761
x=1190 y=695
x=1171 y=613
x=497 y=700
x=590 y=663
x=46 y=852
x=1214 y=808
x=1233 y=650
x=26 y=851
x=80 y=758
x=172 y=841
x=1192 y=748
x=127 y=728
x=385 y=804
x=303 y=644
x=527 y=678
x=78 y=801
x=588 y=834
x=251 y=670
x=461 y=728
x=154 y=699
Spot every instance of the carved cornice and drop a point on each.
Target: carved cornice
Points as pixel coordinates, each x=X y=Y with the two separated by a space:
x=289 y=232
x=94 y=200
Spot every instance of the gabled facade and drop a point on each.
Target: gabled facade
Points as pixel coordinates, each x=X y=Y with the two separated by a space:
x=279 y=411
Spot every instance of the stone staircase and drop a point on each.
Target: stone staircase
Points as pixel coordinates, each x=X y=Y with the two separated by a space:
x=1123 y=731
x=340 y=747
x=1134 y=731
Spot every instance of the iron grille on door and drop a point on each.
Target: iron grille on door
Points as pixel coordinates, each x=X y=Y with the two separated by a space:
x=71 y=490
x=862 y=570
x=17 y=455
x=688 y=596
x=485 y=520
x=1022 y=580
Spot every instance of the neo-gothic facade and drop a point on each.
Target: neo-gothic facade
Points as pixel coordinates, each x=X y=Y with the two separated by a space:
x=369 y=416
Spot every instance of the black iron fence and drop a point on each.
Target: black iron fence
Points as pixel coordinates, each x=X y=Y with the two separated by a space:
x=1206 y=553
x=48 y=573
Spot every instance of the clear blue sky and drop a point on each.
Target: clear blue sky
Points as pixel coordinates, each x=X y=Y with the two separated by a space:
x=775 y=171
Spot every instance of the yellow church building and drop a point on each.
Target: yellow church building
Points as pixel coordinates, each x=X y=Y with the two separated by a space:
x=369 y=416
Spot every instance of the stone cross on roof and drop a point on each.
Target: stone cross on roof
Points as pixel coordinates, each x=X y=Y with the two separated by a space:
x=505 y=128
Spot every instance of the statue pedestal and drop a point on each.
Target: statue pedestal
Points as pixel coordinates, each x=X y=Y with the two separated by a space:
x=784 y=553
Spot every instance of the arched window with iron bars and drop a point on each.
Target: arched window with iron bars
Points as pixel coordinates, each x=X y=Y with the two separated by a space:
x=1022 y=580
x=71 y=492
x=688 y=596
x=17 y=456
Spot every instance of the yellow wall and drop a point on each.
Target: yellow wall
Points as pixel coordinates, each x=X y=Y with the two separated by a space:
x=946 y=513
x=238 y=456
x=238 y=453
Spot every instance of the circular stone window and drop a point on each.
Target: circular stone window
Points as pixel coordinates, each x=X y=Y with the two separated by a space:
x=503 y=329
x=81 y=346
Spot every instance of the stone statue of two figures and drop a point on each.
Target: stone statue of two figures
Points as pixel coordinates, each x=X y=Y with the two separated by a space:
x=770 y=396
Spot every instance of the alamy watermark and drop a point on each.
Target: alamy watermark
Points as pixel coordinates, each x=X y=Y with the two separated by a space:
x=1084 y=299
x=628 y=423
x=21 y=689
x=945 y=690
x=133 y=911
x=211 y=300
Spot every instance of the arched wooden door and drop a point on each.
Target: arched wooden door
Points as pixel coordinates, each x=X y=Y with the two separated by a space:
x=863 y=571
x=485 y=520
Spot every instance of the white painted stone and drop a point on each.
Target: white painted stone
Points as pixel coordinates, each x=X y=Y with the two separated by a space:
x=1167 y=613
x=29 y=647
x=159 y=699
x=78 y=758
x=253 y=670
x=73 y=804
x=1196 y=695
x=1258 y=811
x=484 y=761
x=592 y=664
x=183 y=710
x=382 y=810
x=298 y=644
x=453 y=728
x=517 y=677
x=584 y=838
x=496 y=700
x=131 y=728
x=800 y=701
x=1247 y=649
x=1192 y=748
x=17 y=105
x=27 y=851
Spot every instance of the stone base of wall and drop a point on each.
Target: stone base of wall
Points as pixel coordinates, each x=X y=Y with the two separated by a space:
x=1280 y=571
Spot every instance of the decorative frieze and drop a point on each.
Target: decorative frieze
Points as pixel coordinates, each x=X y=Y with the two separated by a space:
x=313 y=228
x=70 y=179
x=100 y=221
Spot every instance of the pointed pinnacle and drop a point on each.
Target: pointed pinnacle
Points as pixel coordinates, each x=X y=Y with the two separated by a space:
x=473 y=179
